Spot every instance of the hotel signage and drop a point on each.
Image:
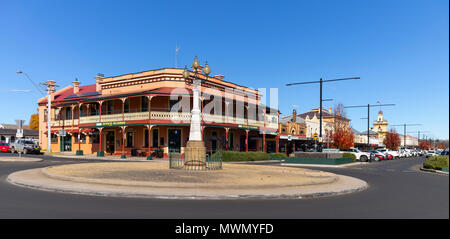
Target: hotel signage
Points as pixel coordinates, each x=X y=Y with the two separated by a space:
x=248 y=126
x=104 y=124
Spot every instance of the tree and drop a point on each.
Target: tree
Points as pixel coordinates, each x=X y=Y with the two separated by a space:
x=424 y=145
x=34 y=122
x=392 y=140
x=340 y=135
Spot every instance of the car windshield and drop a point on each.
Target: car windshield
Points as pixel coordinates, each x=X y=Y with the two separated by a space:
x=28 y=142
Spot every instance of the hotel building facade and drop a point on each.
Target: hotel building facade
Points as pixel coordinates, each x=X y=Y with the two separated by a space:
x=136 y=114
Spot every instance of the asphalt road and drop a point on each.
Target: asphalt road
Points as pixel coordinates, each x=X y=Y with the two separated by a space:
x=397 y=189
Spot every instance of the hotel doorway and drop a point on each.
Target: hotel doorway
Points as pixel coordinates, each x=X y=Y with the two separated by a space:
x=109 y=142
x=66 y=143
x=174 y=140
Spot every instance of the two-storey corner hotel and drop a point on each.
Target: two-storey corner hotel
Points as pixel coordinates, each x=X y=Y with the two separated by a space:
x=134 y=114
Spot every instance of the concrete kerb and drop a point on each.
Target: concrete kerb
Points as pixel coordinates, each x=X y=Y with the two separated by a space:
x=36 y=179
x=324 y=165
x=433 y=170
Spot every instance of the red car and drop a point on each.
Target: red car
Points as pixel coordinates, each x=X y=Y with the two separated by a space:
x=4 y=147
x=377 y=155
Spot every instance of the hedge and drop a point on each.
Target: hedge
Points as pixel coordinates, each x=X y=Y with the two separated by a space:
x=436 y=162
x=349 y=155
x=231 y=156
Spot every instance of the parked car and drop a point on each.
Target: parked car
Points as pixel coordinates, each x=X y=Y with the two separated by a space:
x=25 y=146
x=377 y=156
x=360 y=155
x=431 y=153
x=4 y=147
x=387 y=155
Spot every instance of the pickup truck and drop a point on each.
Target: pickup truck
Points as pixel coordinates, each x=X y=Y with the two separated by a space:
x=25 y=146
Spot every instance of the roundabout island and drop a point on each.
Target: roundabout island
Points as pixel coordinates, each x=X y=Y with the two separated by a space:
x=155 y=180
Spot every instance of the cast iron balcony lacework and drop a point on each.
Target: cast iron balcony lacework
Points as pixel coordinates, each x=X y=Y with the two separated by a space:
x=213 y=162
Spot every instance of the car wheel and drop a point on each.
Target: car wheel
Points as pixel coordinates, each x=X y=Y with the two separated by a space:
x=363 y=158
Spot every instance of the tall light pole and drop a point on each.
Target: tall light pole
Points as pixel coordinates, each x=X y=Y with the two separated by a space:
x=195 y=152
x=50 y=89
x=32 y=82
x=321 y=81
x=368 y=117
x=404 y=131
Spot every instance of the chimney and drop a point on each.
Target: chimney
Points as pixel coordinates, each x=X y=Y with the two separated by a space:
x=294 y=116
x=337 y=112
x=76 y=86
x=329 y=110
x=98 y=81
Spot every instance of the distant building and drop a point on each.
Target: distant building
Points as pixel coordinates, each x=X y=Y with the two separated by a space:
x=329 y=119
x=8 y=133
x=360 y=139
x=410 y=141
x=292 y=133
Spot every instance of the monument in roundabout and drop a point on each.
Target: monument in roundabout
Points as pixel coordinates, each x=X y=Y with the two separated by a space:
x=195 y=152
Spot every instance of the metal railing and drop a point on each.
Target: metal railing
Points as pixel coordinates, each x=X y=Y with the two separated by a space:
x=213 y=162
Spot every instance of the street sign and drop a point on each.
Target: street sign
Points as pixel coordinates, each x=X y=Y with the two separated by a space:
x=315 y=136
x=62 y=132
x=289 y=137
x=19 y=133
x=320 y=139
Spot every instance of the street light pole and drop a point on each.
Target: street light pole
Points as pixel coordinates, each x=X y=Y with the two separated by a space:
x=320 y=104
x=320 y=110
x=50 y=89
x=404 y=131
x=368 y=117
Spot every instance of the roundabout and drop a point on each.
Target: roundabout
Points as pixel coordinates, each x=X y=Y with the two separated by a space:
x=156 y=180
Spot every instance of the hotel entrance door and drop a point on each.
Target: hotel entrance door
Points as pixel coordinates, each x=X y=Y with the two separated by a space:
x=110 y=142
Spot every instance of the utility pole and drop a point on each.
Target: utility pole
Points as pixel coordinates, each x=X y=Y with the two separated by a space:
x=50 y=89
x=368 y=117
x=321 y=81
x=404 y=131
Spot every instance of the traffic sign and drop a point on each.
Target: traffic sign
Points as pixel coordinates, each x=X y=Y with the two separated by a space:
x=62 y=132
x=315 y=136
x=19 y=133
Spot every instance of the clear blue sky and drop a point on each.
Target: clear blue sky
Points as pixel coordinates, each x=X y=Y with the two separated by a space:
x=400 y=49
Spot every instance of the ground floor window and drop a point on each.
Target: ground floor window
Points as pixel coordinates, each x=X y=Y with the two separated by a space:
x=54 y=138
x=94 y=138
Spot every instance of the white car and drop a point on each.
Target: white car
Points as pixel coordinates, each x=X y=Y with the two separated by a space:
x=431 y=153
x=360 y=156
x=394 y=153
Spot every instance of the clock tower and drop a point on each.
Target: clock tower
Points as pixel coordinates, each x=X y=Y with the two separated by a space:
x=380 y=126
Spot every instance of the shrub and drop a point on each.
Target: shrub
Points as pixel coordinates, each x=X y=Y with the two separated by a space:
x=277 y=155
x=231 y=156
x=436 y=162
x=349 y=155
